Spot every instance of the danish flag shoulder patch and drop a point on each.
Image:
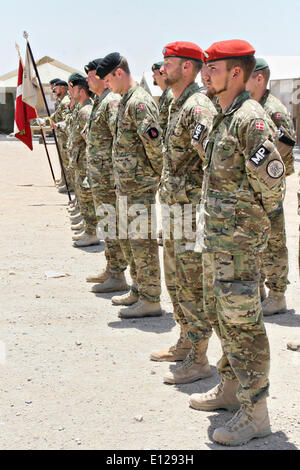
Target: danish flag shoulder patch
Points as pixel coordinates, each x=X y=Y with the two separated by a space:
x=260 y=125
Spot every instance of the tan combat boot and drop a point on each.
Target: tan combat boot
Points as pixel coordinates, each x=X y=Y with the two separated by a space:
x=115 y=283
x=142 y=308
x=101 y=277
x=248 y=423
x=194 y=367
x=223 y=396
x=178 y=352
x=87 y=240
x=274 y=303
x=76 y=218
x=77 y=227
x=128 y=299
x=62 y=189
x=78 y=235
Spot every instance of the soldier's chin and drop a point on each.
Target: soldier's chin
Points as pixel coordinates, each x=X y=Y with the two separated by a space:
x=211 y=91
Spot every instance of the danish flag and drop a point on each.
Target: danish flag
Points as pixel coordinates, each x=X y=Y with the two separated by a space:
x=277 y=115
x=23 y=113
x=260 y=125
x=198 y=110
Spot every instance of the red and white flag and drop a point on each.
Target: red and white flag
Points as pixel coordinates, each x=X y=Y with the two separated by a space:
x=23 y=113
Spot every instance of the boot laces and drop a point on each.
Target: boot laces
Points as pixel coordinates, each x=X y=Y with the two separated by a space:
x=244 y=410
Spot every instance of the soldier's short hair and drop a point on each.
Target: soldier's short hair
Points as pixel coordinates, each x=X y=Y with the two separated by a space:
x=86 y=89
x=246 y=63
x=264 y=72
x=123 y=66
x=197 y=64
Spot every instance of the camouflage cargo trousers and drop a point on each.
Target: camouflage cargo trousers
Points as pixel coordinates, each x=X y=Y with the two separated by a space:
x=275 y=264
x=232 y=304
x=84 y=195
x=104 y=194
x=65 y=160
x=139 y=244
x=184 y=273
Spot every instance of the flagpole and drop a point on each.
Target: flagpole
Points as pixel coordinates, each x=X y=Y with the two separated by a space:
x=48 y=112
x=42 y=132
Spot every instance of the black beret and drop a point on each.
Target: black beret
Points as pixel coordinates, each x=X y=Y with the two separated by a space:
x=54 y=81
x=108 y=64
x=61 y=83
x=79 y=81
x=92 y=65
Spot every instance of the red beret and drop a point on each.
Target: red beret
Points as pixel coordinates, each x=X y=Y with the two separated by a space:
x=184 y=50
x=228 y=50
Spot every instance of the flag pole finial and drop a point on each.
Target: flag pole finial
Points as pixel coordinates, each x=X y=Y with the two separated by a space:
x=26 y=35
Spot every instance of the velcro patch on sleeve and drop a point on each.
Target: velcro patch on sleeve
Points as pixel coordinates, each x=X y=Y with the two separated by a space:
x=152 y=132
x=198 y=131
x=266 y=164
x=284 y=138
x=260 y=156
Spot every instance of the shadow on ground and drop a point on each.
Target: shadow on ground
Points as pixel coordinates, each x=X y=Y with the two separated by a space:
x=151 y=325
x=289 y=318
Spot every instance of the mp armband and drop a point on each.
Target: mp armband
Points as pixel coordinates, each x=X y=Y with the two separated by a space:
x=267 y=164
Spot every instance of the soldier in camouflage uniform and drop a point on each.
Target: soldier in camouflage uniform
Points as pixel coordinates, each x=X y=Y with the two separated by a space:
x=52 y=86
x=242 y=191
x=190 y=119
x=78 y=162
x=56 y=120
x=137 y=163
x=100 y=132
x=166 y=97
x=163 y=108
x=275 y=263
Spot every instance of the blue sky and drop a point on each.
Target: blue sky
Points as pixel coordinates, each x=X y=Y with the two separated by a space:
x=75 y=32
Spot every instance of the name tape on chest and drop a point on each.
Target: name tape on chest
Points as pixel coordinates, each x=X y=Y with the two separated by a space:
x=199 y=129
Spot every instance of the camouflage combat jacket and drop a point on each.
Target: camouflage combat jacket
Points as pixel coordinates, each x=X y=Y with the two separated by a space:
x=283 y=121
x=137 y=147
x=190 y=120
x=59 y=116
x=100 y=132
x=243 y=183
x=163 y=107
x=77 y=138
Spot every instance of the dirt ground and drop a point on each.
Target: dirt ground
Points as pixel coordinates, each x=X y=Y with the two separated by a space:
x=75 y=376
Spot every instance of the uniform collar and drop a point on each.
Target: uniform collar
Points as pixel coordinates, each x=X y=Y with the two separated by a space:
x=88 y=101
x=264 y=98
x=237 y=102
x=128 y=94
x=189 y=91
x=104 y=94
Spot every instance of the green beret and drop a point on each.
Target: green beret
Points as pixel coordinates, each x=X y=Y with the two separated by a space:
x=261 y=64
x=75 y=76
x=157 y=65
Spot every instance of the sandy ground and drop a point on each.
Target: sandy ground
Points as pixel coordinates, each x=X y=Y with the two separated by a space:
x=75 y=376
